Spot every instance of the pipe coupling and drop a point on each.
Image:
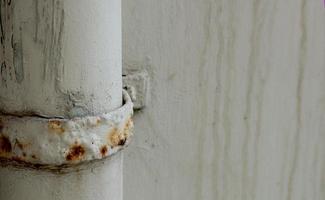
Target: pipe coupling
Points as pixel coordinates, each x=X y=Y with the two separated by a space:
x=55 y=143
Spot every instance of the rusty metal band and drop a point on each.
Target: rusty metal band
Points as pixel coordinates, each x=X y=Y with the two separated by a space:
x=58 y=142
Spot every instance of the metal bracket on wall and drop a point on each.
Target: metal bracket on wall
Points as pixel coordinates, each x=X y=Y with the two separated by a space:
x=136 y=83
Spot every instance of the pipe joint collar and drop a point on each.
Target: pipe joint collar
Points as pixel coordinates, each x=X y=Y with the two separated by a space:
x=54 y=143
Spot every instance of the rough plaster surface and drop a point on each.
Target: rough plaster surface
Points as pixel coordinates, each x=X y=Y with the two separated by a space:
x=238 y=100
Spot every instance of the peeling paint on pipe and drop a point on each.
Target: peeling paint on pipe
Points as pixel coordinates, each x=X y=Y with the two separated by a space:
x=60 y=58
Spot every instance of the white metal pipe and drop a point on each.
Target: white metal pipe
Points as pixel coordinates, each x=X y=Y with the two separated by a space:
x=101 y=180
x=61 y=59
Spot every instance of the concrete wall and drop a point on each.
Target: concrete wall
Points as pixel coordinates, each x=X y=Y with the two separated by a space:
x=237 y=107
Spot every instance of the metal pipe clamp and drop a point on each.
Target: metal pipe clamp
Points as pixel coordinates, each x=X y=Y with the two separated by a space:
x=53 y=143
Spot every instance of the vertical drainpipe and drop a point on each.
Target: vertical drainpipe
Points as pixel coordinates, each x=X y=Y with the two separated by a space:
x=61 y=100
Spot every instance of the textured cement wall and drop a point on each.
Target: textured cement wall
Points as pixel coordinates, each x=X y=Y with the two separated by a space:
x=237 y=107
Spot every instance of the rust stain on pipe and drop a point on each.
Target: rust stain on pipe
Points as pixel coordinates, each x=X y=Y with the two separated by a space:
x=114 y=137
x=104 y=150
x=76 y=153
x=118 y=137
x=128 y=127
x=56 y=126
x=1 y=125
x=18 y=163
x=5 y=145
x=19 y=144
